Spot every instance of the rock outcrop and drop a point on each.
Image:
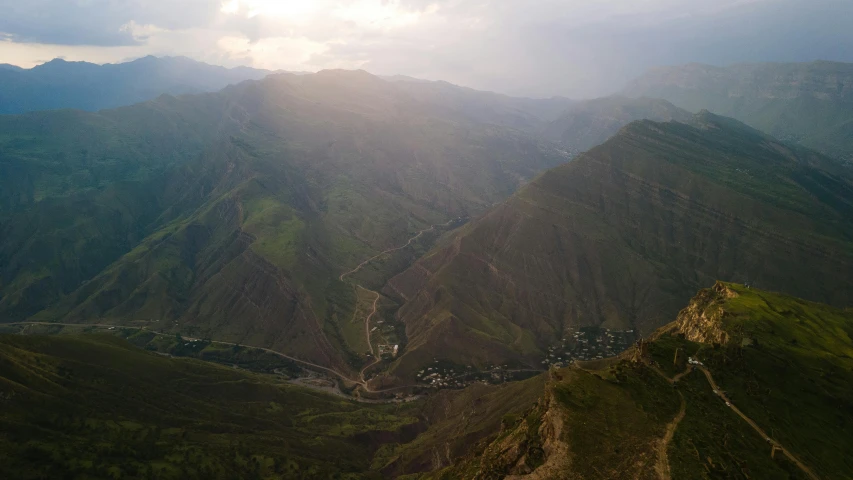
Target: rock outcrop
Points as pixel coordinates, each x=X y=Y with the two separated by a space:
x=702 y=320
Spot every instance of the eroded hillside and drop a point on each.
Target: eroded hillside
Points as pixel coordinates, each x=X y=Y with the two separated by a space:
x=622 y=236
x=232 y=215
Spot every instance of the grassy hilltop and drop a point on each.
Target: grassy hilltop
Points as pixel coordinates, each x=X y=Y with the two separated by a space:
x=783 y=363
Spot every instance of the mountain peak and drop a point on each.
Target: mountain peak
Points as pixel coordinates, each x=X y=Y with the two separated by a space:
x=345 y=73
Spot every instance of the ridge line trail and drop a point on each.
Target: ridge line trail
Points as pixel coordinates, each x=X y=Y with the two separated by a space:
x=755 y=426
x=662 y=464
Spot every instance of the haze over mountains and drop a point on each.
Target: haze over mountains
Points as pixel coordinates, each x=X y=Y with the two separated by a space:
x=389 y=239
x=807 y=103
x=235 y=213
x=86 y=86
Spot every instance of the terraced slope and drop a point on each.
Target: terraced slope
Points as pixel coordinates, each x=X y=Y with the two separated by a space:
x=769 y=398
x=622 y=236
x=232 y=215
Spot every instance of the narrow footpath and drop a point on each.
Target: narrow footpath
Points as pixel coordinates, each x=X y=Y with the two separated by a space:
x=776 y=445
x=662 y=464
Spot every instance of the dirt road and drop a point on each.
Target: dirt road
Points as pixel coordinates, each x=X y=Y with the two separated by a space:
x=755 y=426
x=376 y=359
x=104 y=325
x=662 y=464
x=359 y=381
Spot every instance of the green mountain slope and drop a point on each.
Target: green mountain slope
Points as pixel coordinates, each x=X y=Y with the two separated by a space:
x=622 y=235
x=93 y=406
x=809 y=103
x=232 y=215
x=783 y=408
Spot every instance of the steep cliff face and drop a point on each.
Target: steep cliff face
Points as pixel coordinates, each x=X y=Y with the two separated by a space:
x=462 y=423
x=602 y=424
x=702 y=320
x=535 y=449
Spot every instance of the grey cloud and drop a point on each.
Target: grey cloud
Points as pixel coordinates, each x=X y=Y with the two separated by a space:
x=577 y=48
x=98 y=22
x=552 y=47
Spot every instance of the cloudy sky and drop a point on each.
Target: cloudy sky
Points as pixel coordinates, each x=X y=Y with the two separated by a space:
x=577 y=48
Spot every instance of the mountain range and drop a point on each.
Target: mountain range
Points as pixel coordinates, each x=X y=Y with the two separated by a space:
x=806 y=103
x=234 y=213
x=386 y=277
x=60 y=84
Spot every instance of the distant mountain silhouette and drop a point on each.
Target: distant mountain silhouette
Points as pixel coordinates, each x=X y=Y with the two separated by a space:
x=808 y=103
x=86 y=86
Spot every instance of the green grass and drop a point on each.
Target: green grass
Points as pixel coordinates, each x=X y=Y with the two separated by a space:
x=92 y=406
x=786 y=364
x=610 y=421
x=278 y=229
x=712 y=442
x=793 y=376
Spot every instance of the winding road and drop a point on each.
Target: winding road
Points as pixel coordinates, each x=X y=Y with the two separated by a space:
x=776 y=445
x=362 y=381
x=662 y=464
x=376 y=358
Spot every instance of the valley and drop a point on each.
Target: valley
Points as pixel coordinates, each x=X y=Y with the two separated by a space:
x=353 y=276
x=667 y=402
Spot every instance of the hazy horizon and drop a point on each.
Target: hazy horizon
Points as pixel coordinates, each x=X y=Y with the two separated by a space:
x=548 y=48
